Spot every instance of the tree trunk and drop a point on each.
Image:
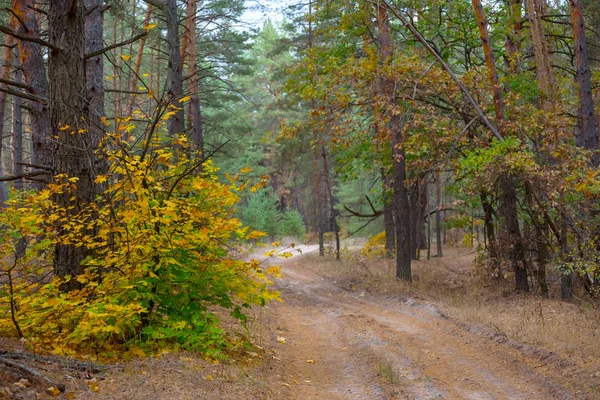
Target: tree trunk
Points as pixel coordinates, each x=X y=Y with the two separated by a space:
x=507 y=183
x=5 y=72
x=34 y=71
x=490 y=62
x=197 y=135
x=133 y=83
x=490 y=233
x=69 y=117
x=514 y=242
x=535 y=10
x=400 y=193
x=438 y=217
x=16 y=137
x=388 y=215
x=588 y=135
x=94 y=78
x=333 y=226
x=175 y=124
x=513 y=40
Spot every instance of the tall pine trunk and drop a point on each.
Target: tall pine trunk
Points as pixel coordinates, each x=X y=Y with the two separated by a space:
x=34 y=71
x=74 y=152
x=588 y=132
x=400 y=193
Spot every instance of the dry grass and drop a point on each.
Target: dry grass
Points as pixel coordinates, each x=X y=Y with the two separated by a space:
x=571 y=330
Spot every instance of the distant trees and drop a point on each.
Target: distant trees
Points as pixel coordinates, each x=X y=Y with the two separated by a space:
x=424 y=78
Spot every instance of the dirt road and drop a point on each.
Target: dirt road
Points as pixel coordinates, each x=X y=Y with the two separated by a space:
x=338 y=344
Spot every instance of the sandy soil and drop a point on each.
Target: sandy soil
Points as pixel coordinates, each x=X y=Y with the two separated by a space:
x=347 y=345
x=325 y=341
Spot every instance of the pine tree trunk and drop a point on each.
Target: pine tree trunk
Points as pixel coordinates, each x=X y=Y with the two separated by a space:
x=16 y=137
x=94 y=78
x=175 y=124
x=197 y=135
x=133 y=83
x=34 y=71
x=5 y=72
x=588 y=135
x=74 y=150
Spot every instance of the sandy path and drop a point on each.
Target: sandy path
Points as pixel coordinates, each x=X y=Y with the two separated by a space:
x=367 y=348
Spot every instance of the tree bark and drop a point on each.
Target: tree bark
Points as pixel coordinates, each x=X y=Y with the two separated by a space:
x=16 y=136
x=94 y=78
x=438 y=216
x=74 y=152
x=197 y=135
x=588 y=134
x=137 y=65
x=400 y=193
x=388 y=215
x=333 y=225
x=34 y=71
x=5 y=73
x=175 y=124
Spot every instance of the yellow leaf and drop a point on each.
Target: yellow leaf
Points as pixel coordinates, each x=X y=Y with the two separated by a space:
x=209 y=377
x=53 y=390
x=184 y=99
x=245 y=170
x=256 y=234
x=101 y=179
x=125 y=57
x=63 y=127
x=311 y=361
x=149 y=27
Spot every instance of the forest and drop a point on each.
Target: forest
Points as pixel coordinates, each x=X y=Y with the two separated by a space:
x=164 y=163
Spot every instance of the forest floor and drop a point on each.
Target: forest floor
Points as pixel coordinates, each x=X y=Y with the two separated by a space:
x=346 y=330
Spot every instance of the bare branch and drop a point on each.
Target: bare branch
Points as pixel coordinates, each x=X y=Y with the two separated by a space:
x=17 y=84
x=26 y=175
x=114 y=46
x=22 y=95
x=39 y=41
x=14 y=14
x=38 y=10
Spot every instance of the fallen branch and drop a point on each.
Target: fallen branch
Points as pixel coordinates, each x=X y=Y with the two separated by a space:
x=73 y=365
x=27 y=370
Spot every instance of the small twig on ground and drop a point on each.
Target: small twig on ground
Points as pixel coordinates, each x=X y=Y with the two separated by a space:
x=365 y=265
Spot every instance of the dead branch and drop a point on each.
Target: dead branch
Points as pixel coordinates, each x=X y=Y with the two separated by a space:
x=16 y=83
x=26 y=175
x=114 y=46
x=22 y=95
x=64 y=363
x=39 y=41
x=24 y=368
